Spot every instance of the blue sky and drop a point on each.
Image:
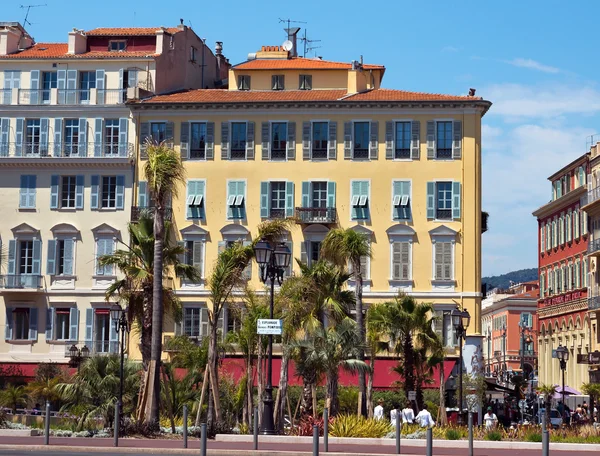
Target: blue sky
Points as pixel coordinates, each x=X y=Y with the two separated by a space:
x=536 y=61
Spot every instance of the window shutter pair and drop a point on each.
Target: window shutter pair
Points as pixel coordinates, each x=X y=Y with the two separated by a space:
x=443 y=260
x=27 y=191
x=196 y=203
x=401 y=261
x=359 y=199
x=195 y=257
x=235 y=199
x=401 y=200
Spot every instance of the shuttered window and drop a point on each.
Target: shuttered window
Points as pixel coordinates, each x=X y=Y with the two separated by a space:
x=104 y=246
x=359 y=200
x=243 y=82
x=194 y=254
x=236 y=195
x=401 y=261
x=443 y=258
x=402 y=140
x=195 y=199
x=27 y=192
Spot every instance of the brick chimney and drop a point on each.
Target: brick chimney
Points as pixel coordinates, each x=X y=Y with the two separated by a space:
x=77 y=42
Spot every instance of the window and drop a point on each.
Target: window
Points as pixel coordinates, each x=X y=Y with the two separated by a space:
x=236 y=192
x=319 y=195
x=444 y=139
x=361 y=140
x=195 y=321
x=279 y=140
x=401 y=200
x=194 y=254
x=277 y=200
x=443 y=261
x=32 y=137
x=117 y=45
x=87 y=81
x=364 y=269
x=238 y=141
x=21 y=320
x=314 y=252
x=193 y=54
x=104 y=246
x=103 y=330
x=195 y=199
x=198 y=141
x=111 y=137
x=244 y=82
x=443 y=209
x=62 y=324
x=320 y=132
x=403 y=137
x=360 y=200
x=67 y=198
x=401 y=261
x=60 y=257
x=71 y=139
x=277 y=82
x=25 y=257
x=305 y=82
x=109 y=192
x=27 y=192
x=49 y=81
x=445 y=328
x=158 y=131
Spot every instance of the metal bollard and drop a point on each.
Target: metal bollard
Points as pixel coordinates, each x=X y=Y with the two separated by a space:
x=470 y=433
x=203 y=439
x=185 y=424
x=315 y=440
x=255 y=428
x=116 y=425
x=326 y=429
x=429 y=451
x=47 y=425
x=545 y=437
x=398 y=430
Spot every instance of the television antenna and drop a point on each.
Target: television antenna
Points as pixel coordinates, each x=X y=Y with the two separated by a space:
x=25 y=21
x=289 y=21
x=307 y=44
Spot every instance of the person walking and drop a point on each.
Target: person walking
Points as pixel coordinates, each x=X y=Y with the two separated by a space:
x=424 y=418
x=408 y=415
x=393 y=417
x=490 y=419
x=378 y=412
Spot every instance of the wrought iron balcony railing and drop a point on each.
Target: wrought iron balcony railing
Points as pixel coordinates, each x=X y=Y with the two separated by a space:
x=593 y=245
x=66 y=150
x=63 y=96
x=316 y=214
x=21 y=281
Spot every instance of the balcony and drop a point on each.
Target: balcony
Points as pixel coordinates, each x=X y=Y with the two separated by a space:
x=593 y=246
x=63 y=96
x=594 y=303
x=593 y=195
x=277 y=213
x=96 y=347
x=316 y=214
x=65 y=150
x=528 y=353
x=21 y=281
x=5 y=96
x=136 y=212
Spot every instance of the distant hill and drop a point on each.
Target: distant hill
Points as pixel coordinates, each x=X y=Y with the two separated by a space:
x=503 y=281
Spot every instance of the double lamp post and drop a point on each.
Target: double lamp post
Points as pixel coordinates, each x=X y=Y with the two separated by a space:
x=118 y=316
x=562 y=353
x=460 y=321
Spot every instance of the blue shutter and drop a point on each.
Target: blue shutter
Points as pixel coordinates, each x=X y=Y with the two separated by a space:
x=68 y=256
x=305 y=194
x=12 y=253
x=191 y=193
x=231 y=191
x=264 y=199
x=184 y=138
x=241 y=190
x=4 y=132
x=95 y=191
x=100 y=250
x=58 y=127
x=98 y=136
x=74 y=324
x=71 y=98
x=49 y=322
x=354 y=191
x=83 y=137
x=200 y=190
x=123 y=137
x=31 y=193
x=54 y=192
x=24 y=191
x=430 y=200
x=79 y=186
x=37 y=257
x=142 y=194
x=331 y=194
x=19 y=137
x=34 y=76
x=100 y=94
x=396 y=192
x=51 y=258
x=405 y=211
x=9 y=324
x=120 y=193
x=61 y=84
x=33 y=323
x=89 y=327
x=456 y=200
x=44 y=123
x=289 y=199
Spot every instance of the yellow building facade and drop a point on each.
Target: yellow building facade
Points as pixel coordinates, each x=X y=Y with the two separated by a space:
x=322 y=142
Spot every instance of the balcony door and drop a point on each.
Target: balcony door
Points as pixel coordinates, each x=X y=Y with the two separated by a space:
x=102 y=331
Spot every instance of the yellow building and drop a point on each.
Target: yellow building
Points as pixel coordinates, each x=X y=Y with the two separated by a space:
x=67 y=171
x=323 y=141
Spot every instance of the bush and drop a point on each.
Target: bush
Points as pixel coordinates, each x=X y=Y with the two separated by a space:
x=494 y=436
x=452 y=434
x=3 y=418
x=533 y=437
x=358 y=426
x=305 y=426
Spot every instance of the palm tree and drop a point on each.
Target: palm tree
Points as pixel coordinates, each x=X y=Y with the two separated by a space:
x=343 y=247
x=13 y=397
x=136 y=262
x=548 y=391
x=164 y=173
x=376 y=343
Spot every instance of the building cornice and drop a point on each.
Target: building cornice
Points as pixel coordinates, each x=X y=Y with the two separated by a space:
x=61 y=162
x=560 y=203
x=563 y=309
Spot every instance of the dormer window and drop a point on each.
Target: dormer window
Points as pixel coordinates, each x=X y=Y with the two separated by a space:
x=244 y=82
x=117 y=45
x=305 y=82
x=277 y=82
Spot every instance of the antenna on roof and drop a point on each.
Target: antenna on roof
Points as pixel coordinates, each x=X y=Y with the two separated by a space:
x=25 y=21
x=307 y=42
x=291 y=33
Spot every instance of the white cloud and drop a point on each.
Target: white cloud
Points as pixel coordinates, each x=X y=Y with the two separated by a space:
x=532 y=65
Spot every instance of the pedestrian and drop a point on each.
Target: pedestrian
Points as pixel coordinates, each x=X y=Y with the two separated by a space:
x=378 y=412
x=408 y=415
x=490 y=419
x=424 y=418
x=393 y=417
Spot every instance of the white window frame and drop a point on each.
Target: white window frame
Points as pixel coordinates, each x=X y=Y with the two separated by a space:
x=436 y=121
x=230 y=150
x=394 y=122
x=410 y=200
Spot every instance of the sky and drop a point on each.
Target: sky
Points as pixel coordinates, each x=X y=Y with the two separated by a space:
x=537 y=62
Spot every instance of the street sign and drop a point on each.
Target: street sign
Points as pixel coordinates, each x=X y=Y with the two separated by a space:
x=269 y=327
x=522 y=404
x=412 y=395
x=589 y=358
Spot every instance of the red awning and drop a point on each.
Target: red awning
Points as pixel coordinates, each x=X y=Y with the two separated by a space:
x=102 y=311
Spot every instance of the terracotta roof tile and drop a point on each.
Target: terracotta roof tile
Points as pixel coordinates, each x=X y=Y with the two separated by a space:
x=298 y=63
x=59 y=51
x=242 y=96
x=129 y=31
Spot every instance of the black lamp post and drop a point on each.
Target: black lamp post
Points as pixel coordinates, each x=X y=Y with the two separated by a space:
x=489 y=359
x=78 y=356
x=460 y=320
x=119 y=317
x=562 y=353
x=525 y=338
x=272 y=263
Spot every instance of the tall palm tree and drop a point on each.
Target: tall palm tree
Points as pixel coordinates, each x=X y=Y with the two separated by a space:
x=136 y=262
x=164 y=174
x=376 y=343
x=343 y=247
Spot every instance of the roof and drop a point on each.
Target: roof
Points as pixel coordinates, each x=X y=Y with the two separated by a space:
x=269 y=96
x=581 y=159
x=130 y=31
x=527 y=295
x=59 y=51
x=298 y=63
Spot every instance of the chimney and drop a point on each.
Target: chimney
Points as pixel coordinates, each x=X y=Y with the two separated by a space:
x=219 y=48
x=9 y=40
x=181 y=26
x=357 y=78
x=77 y=42
x=292 y=36
x=160 y=40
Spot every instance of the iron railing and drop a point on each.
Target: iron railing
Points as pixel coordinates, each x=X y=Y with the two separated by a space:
x=277 y=213
x=316 y=214
x=443 y=214
x=319 y=154
x=34 y=96
x=21 y=281
x=360 y=154
x=137 y=211
x=66 y=150
x=5 y=96
x=593 y=245
x=594 y=302
x=238 y=154
x=444 y=153
x=401 y=154
x=593 y=195
x=278 y=154
x=95 y=347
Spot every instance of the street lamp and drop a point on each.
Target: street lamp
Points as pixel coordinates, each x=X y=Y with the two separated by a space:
x=460 y=321
x=119 y=317
x=272 y=263
x=562 y=353
x=78 y=356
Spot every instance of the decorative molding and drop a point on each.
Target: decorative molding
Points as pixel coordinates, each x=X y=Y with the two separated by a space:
x=563 y=309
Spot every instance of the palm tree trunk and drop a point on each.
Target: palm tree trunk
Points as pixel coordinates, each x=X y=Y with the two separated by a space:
x=157 y=315
x=360 y=325
x=146 y=332
x=409 y=364
x=442 y=416
x=370 y=386
x=249 y=390
x=313 y=392
x=282 y=390
x=212 y=360
x=307 y=399
x=332 y=393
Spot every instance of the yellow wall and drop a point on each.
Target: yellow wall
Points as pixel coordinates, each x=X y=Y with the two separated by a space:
x=321 y=79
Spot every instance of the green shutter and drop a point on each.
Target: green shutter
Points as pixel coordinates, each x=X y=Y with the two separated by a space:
x=306 y=194
x=430 y=200
x=331 y=194
x=456 y=200
x=289 y=199
x=142 y=194
x=264 y=199
x=54 y=182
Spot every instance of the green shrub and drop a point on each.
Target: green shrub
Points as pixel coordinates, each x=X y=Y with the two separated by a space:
x=452 y=434
x=533 y=437
x=494 y=436
x=358 y=426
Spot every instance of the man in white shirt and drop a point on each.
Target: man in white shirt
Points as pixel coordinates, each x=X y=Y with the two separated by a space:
x=393 y=417
x=408 y=416
x=424 y=418
x=378 y=412
x=490 y=419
